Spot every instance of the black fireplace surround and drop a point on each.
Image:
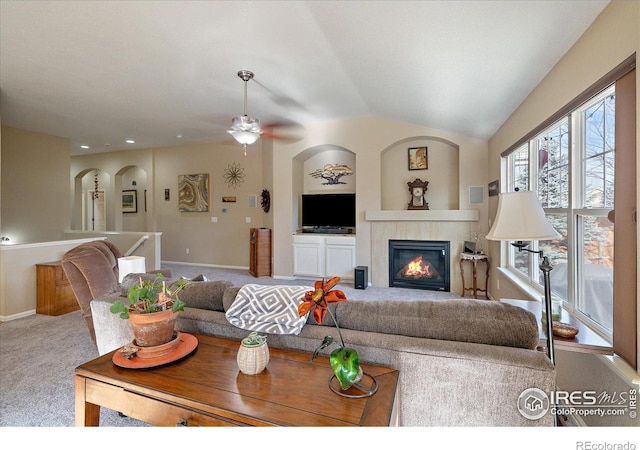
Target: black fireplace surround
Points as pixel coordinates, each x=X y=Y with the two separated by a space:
x=419 y=264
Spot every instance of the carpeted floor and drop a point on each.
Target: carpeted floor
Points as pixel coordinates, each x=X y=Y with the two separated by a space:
x=38 y=354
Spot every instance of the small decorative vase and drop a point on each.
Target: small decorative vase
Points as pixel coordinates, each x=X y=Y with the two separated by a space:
x=153 y=329
x=253 y=354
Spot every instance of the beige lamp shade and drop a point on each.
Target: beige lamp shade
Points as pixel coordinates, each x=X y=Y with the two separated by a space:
x=130 y=264
x=520 y=217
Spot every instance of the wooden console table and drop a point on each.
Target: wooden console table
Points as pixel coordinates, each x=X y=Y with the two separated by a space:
x=474 y=258
x=586 y=341
x=54 y=293
x=206 y=388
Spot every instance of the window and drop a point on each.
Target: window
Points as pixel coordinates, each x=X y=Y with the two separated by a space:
x=570 y=165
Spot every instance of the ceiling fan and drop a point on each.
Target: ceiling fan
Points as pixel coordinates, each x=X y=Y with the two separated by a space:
x=246 y=130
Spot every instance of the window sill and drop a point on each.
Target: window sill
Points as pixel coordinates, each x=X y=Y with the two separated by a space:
x=536 y=294
x=614 y=362
x=622 y=369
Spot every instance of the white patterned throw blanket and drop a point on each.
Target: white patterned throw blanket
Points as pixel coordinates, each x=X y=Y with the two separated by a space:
x=268 y=309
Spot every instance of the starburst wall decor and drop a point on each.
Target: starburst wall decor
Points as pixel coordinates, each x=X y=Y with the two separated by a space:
x=234 y=175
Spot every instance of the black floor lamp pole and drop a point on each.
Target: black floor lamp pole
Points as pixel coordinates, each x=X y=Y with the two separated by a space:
x=545 y=267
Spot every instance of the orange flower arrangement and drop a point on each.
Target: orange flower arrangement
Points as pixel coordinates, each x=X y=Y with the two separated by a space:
x=320 y=297
x=345 y=361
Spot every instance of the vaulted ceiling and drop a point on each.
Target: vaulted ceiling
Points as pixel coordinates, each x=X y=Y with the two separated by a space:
x=100 y=72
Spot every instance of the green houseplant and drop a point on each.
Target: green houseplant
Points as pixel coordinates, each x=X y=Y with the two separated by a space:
x=152 y=310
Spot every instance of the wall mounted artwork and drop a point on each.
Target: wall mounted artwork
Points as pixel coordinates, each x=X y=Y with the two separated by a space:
x=494 y=188
x=234 y=175
x=418 y=158
x=130 y=201
x=193 y=192
x=332 y=173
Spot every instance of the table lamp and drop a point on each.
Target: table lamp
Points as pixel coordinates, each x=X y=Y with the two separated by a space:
x=521 y=218
x=130 y=264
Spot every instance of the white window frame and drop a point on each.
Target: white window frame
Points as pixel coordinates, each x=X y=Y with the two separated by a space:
x=574 y=211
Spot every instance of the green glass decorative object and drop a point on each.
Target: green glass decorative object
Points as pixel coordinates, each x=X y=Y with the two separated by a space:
x=345 y=364
x=344 y=360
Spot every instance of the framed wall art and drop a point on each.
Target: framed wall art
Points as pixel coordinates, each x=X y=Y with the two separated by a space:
x=418 y=158
x=193 y=192
x=130 y=201
x=494 y=188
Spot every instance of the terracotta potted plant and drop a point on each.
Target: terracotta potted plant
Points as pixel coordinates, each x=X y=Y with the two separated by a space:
x=152 y=310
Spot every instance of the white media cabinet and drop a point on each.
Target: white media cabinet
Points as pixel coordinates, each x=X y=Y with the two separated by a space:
x=328 y=255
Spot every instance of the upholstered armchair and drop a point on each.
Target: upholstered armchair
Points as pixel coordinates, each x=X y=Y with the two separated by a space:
x=92 y=270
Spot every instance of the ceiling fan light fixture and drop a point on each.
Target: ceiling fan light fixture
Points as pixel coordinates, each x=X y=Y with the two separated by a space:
x=244 y=129
x=244 y=137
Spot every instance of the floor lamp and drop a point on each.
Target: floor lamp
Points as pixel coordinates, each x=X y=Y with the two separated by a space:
x=520 y=218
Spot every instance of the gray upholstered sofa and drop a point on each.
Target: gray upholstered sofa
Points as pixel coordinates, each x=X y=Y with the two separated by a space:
x=462 y=362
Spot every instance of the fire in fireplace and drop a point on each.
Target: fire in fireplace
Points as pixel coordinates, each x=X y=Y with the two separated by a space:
x=418 y=268
x=419 y=264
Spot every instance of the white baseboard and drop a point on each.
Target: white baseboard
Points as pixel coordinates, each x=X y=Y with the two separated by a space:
x=215 y=266
x=17 y=316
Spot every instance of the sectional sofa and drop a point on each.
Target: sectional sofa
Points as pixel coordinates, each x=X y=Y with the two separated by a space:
x=462 y=362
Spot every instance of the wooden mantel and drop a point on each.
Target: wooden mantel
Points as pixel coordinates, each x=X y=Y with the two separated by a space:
x=458 y=215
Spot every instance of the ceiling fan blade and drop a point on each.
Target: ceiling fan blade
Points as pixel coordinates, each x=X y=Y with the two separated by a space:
x=282 y=131
x=281 y=100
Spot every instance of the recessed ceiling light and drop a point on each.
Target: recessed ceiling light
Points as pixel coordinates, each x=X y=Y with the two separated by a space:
x=179 y=136
x=84 y=146
x=130 y=141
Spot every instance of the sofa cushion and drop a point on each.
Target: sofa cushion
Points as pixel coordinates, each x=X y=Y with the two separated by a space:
x=200 y=294
x=205 y=294
x=132 y=279
x=463 y=320
x=229 y=297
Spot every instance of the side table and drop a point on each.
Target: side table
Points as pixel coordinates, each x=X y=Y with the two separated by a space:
x=54 y=293
x=474 y=258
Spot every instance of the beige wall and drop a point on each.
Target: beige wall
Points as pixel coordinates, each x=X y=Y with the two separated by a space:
x=18 y=262
x=221 y=243
x=367 y=138
x=443 y=162
x=35 y=186
x=277 y=167
x=225 y=242
x=613 y=37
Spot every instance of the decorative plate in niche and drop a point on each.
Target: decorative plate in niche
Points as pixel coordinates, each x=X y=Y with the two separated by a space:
x=265 y=200
x=234 y=175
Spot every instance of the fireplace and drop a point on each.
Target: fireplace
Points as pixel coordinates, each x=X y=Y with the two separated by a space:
x=419 y=264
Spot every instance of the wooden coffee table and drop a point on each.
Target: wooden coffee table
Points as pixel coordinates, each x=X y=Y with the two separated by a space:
x=206 y=388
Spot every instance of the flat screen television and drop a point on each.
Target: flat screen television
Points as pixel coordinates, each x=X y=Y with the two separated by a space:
x=329 y=210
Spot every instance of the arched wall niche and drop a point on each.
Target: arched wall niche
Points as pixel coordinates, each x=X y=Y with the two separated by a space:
x=134 y=178
x=442 y=173
x=90 y=213
x=105 y=213
x=312 y=159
